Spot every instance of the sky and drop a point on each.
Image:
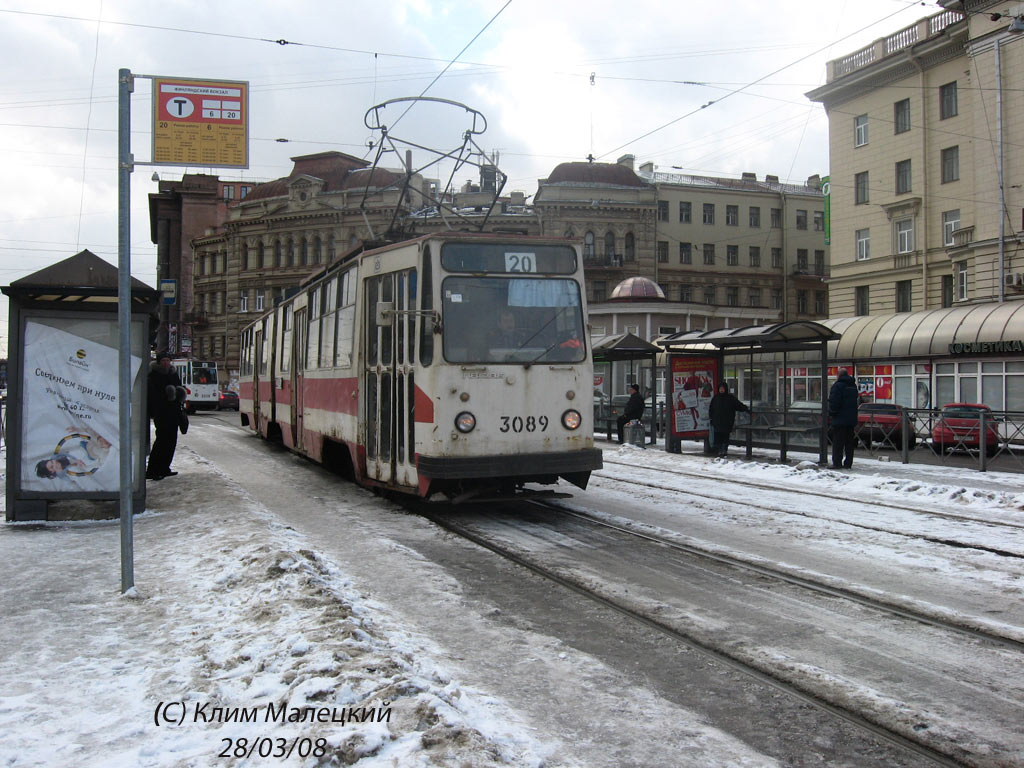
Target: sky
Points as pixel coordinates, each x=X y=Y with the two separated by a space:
x=716 y=90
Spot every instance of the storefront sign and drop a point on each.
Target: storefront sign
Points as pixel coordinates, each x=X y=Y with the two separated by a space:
x=987 y=347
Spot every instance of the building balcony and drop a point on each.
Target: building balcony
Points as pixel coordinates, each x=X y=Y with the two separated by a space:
x=602 y=260
x=196 y=319
x=962 y=238
x=810 y=270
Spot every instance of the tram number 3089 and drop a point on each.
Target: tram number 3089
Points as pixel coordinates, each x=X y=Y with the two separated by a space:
x=521 y=424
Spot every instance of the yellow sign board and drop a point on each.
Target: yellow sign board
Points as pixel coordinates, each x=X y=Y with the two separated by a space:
x=200 y=122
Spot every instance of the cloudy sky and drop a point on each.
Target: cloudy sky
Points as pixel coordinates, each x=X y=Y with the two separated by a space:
x=556 y=81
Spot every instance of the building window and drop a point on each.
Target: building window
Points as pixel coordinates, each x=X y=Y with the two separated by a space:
x=801 y=302
x=709 y=213
x=947 y=291
x=902 y=177
x=801 y=219
x=776 y=218
x=904 y=236
x=600 y=290
x=860 y=188
x=961 y=281
x=947 y=101
x=630 y=247
x=776 y=298
x=609 y=249
x=685 y=213
x=243 y=300
x=819 y=221
x=732 y=296
x=860 y=130
x=243 y=191
x=754 y=297
x=819 y=262
x=732 y=255
x=950 y=164
x=663 y=251
x=261 y=255
x=686 y=293
x=229 y=191
x=588 y=245
x=709 y=253
x=863 y=238
x=732 y=215
x=901 y=116
x=861 y=301
x=819 y=302
x=663 y=210
x=776 y=258
x=801 y=259
x=685 y=253
x=755 y=217
x=755 y=256
x=259 y=301
x=950 y=224
x=903 y=289
x=709 y=294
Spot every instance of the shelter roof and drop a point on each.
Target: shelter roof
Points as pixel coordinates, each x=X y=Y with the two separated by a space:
x=625 y=346
x=754 y=338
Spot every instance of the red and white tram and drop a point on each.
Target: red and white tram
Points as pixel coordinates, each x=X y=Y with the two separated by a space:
x=455 y=363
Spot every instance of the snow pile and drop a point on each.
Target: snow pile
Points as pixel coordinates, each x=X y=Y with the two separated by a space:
x=239 y=632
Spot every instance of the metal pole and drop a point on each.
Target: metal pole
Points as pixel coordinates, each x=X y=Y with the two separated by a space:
x=124 y=318
x=999 y=169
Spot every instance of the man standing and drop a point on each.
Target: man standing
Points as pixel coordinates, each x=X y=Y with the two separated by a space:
x=722 y=414
x=634 y=409
x=842 y=411
x=165 y=411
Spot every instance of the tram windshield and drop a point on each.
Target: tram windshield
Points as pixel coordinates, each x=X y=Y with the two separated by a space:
x=512 y=320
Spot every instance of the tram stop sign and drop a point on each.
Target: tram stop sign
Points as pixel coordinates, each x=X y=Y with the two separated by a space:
x=200 y=122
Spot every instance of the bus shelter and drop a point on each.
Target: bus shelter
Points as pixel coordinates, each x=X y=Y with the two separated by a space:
x=695 y=364
x=639 y=354
x=63 y=414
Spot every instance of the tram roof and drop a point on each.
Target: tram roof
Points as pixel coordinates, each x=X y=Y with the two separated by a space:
x=924 y=333
x=778 y=337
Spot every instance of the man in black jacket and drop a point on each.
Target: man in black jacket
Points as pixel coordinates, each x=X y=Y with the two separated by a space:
x=165 y=411
x=843 y=400
x=722 y=414
x=634 y=409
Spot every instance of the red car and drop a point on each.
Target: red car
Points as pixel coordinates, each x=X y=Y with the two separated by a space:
x=959 y=426
x=883 y=423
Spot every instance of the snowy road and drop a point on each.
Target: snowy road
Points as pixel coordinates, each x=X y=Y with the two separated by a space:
x=836 y=542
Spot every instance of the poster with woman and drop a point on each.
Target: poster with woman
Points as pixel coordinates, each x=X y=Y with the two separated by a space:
x=69 y=412
x=692 y=387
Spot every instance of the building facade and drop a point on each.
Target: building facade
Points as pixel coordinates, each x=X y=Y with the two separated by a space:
x=924 y=137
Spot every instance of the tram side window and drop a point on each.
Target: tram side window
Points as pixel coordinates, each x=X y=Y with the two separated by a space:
x=265 y=350
x=313 y=338
x=426 y=306
x=346 y=318
x=327 y=323
x=285 y=353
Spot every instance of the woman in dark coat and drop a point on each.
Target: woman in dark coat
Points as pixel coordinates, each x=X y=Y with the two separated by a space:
x=843 y=400
x=722 y=413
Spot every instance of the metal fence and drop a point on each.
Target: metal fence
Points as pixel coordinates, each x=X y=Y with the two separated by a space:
x=981 y=440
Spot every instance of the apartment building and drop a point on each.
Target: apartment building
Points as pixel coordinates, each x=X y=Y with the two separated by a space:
x=925 y=130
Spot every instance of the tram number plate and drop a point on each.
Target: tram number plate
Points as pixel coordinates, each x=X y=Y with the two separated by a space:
x=523 y=423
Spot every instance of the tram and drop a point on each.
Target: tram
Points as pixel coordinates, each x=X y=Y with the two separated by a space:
x=455 y=363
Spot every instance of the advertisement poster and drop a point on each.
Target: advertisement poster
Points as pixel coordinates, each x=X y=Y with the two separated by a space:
x=693 y=386
x=70 y=412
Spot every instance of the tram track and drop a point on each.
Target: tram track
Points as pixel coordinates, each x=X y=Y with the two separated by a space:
x=776 y=678
x=725 y=498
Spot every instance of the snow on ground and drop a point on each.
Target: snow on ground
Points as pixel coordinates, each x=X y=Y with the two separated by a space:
x=238 y=612
x=240 y=617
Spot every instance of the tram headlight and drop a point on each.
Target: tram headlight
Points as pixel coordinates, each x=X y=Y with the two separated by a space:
x=465 y=422
x=571 y=419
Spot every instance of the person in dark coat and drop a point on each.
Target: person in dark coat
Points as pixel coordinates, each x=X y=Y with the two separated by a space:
x=722 y=413
x=164 y=407
x=843 y=400
x=634 y=409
